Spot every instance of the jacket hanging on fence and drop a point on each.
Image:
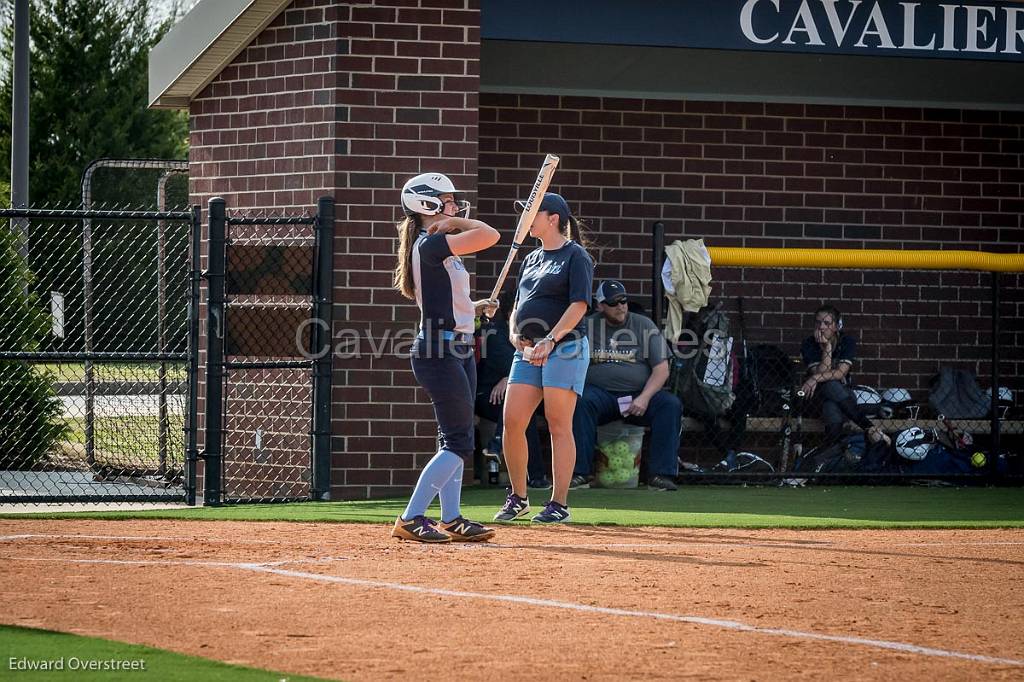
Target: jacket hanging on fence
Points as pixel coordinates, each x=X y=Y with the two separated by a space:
x=691 y=282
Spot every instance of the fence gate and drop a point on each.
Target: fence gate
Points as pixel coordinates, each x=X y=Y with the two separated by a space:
x=98 y=321
x=268 y=378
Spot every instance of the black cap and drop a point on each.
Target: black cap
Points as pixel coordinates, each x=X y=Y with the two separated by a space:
x=552 y=203
x=610 y=291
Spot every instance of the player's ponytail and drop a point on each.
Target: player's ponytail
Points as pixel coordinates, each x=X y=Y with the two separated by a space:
x=576 y=233
x=408 y=230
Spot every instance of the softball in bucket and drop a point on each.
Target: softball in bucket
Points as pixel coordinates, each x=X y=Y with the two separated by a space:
x=618 y=455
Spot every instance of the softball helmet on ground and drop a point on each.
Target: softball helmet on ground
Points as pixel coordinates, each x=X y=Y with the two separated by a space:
x=420 y=194
x=914 y=443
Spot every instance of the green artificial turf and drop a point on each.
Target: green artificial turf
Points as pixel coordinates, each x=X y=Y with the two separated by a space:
x=21 y=647
x=690 y=506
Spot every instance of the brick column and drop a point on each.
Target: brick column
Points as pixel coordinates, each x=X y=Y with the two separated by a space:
x=405 y=103
x=351 y=100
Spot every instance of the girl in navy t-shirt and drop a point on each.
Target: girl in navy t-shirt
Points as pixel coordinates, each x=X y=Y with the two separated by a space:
x=552 y=354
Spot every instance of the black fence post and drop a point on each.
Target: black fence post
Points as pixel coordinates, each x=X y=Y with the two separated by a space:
x=994 y=397
x=657 y=288
x=192 y=417
x=215 y=327
x=321 y=348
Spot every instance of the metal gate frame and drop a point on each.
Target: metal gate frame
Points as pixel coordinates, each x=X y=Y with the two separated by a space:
x=218 y=367
x=169 y=168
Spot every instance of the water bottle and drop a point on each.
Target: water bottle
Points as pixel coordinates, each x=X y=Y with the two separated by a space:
x=492 y=470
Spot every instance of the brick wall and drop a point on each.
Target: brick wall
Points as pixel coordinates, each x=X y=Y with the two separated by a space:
x=263 y=131
x=782 y=176
x=262 y=135
x=350 y=100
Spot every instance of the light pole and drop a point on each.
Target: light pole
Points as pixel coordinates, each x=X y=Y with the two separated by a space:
x=19 y=125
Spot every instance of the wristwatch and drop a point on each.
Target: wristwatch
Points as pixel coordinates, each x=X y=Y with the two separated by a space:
x=550 y=338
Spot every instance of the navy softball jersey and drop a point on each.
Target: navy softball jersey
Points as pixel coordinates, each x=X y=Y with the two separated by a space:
x=548 y=282
x=442 y=287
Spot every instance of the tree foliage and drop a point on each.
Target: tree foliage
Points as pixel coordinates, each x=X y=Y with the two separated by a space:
x=89 y=91
x=30 y=413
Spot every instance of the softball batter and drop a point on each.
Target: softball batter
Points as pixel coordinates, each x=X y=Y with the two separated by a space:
x=431 y=238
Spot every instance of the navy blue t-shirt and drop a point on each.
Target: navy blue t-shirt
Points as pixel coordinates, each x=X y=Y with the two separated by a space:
x=548 y=282
x=442 y=287
x=845 y=351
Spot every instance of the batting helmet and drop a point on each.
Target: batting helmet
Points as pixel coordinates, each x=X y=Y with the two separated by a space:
x=420 y=194
x=913 y=443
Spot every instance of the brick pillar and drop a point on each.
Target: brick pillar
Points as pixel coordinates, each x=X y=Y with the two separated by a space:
x=350 y=100
x=405 y=103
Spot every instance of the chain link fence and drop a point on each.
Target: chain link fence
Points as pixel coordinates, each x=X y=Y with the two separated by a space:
x=94 y=348
x=96 y=340
x=909 y=389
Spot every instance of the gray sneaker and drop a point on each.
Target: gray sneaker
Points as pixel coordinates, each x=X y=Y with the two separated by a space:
x=464 y=530
x=661 y=483
x=515 y=507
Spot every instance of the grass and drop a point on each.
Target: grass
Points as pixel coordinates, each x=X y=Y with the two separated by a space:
x=131 y=439
x=690 y=507
x=38 y=646
x=74 y=372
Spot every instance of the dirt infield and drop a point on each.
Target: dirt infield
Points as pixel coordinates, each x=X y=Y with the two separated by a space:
x=574 y=602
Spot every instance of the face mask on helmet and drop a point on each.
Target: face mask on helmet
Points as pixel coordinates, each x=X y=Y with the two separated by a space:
x=422 y=193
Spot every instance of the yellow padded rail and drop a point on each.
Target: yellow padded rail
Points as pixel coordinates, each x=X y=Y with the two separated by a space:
x=875 y=259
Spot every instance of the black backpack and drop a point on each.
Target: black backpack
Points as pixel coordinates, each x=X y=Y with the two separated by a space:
x=850 y=454
x=955 y=393
x=770 y=378
x=832 y=458
x=702 y=376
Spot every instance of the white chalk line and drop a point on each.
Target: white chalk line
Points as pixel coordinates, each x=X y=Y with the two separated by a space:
x=951 y=544
x=831 y=546
x=902 y=647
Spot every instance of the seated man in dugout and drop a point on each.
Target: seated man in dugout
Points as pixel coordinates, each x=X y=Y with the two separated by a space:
x=628 y=367
x=829 y=354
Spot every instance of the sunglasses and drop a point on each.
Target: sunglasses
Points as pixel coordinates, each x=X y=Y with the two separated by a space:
x=620 y=301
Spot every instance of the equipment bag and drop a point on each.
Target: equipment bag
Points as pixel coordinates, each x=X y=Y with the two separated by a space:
x=849 y=455
x=940 y=460
x=955 y=393
x=703 y=378
x=771 y=378
x=746 y=462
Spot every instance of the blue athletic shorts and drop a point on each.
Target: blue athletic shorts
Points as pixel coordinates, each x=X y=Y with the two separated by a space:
x=566 y=367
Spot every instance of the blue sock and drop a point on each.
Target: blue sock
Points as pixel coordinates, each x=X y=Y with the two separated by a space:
x=437 y=472
x=451 y=495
